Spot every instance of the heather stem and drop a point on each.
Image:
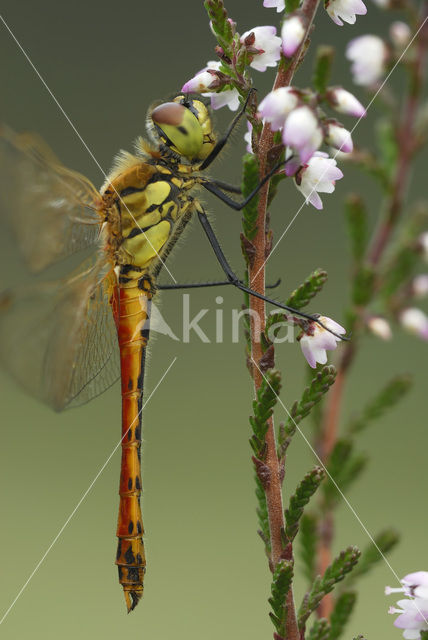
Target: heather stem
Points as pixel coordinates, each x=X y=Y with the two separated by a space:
x=256 y=274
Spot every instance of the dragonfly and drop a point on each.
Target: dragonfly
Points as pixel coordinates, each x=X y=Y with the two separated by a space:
x=68 y=340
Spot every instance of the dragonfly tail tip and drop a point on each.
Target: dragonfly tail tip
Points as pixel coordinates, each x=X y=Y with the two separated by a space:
x=132 y=598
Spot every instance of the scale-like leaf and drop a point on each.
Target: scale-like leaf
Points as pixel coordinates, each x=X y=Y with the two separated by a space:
x=281 y=583
x=300 y=499
x=308 y=289
x=320 y=630
x=340 y=567
x=322 y=70
x=308 y=540
x=384 y=542
x=341 y=613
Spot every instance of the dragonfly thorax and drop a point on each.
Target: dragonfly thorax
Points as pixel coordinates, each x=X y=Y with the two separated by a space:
x=184 y=126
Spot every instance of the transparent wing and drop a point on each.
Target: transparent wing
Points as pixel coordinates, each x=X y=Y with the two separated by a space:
x=51 y=209
x=58 y=339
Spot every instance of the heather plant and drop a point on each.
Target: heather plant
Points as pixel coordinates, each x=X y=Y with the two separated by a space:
x=297 y=133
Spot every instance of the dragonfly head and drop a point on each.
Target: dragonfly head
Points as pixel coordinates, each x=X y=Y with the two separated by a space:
x=185 y=127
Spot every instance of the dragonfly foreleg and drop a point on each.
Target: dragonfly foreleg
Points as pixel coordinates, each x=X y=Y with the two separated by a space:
x=223 y=140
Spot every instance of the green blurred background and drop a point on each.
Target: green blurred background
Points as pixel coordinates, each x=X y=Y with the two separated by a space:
x=207 y=574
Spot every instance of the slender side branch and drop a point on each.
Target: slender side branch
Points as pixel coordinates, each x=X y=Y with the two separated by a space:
x=393 y=210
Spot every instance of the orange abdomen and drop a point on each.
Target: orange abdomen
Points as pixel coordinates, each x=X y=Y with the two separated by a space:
x=131 y=309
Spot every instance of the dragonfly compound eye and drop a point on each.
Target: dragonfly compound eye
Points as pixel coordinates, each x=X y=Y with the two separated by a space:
x=179 y=128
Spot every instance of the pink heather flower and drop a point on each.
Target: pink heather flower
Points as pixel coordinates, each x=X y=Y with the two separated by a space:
x=345 y=102
x=205 y=80
x=420 y=285
x=414 y=613
x=277 y=105
x=339 y=137
x=302 y=132
x=317 y=341
x=415 y=321
x=400 y=34
x=346 y=10
x=318 y=175
x=379 y=327
x=368 y=55
x=279 y=4
x=292 y=33
x=268 y=45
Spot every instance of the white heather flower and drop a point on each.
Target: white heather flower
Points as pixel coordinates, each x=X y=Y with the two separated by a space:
x=383 y=4
x=267 y=43
x=345 y=102
x=228 y=97
x=414 y=584
x=379 y=327
x=292 y=34
x=277 y=105
x=318 y=175
x=423 y=245
x=317 y=341
x=368 y=55
x=279 y=4
x=248 y=136
x=339 y=137
x=420 y=285
x=346 y=10
x=414 y=613
x=400 y=34
x=415 y=321
x=302 y=132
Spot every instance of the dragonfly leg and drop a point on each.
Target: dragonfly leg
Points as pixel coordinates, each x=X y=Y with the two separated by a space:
x=223 y=140
x=237 y=283
x=225 y=186
x=214 y=188
x=199 y=285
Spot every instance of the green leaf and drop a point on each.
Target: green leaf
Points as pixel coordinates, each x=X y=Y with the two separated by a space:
x=322 y=71
x=220 y=24
x=340 y=567
x=374 y=552
x=310 y=287
x=385 y=399
x=424 y=635
x=320 y=630
x=363 y=285
x=388 y=145
x=300 y=499
x=343 y=469
x=356 y=216
x=281 y=583
x=250 y=180
x=291 y=5
x=341 y=613
x=262 y=515
x=319 y=385
x=399 y=269
x=267 y=396
x=308 y=540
